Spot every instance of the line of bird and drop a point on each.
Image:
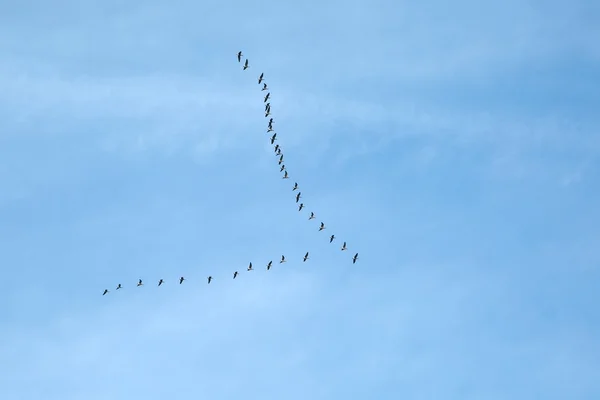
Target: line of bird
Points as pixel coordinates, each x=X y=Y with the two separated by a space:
x=278 y=150
x=209 y=278
x=279 y=153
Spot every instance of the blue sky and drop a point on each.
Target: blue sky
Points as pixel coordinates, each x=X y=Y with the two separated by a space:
x=454 y=145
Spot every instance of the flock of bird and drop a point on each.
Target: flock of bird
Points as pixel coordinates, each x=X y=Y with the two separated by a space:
x=282 y=168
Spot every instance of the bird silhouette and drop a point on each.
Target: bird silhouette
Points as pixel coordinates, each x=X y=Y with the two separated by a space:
x=344 y=247
x=355 y=258
x=246 y=64
x=331 y=238
x=160 y=282
x=250 y=267
x=209 y=279
x=260 y=78
x=105 y=291
x=305 y=257
x=140 y=283
x=322 y=227
x=285 y=175
x=312 y=215
x=269 y=265
x=282 y=259
x=301 y=206
x=298 y=196
x=239 y=56
x=118 y=286
x=181 y=280
x=235 y=274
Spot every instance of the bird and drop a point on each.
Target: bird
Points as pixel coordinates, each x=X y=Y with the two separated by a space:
x=298 y=196
x=269 y=265
x=281 y=158
x=276 y=148
x=301 y=206
x=235 y=274
x=331 y=238
x=278 y=152
x=267 y=113
x=250 y=267
x=246 y=64
x=273 y=138
x=181 y=280
x=267 y=97
x=295 y=186
x=271 y=121
x=285 y=175
x=160 y=282
x=105 y=291
x=312 y=215
x=282 y=260
x=344 y=247
x=118 y=287
x=322 y=226
x=240 y=56
x=209 y=279
x=260 y=78
x=269 y=129
x=140 y=282
x=305 y=257
x=282 y=168
x=265 y=87
x=354 y=258
x=267 y=106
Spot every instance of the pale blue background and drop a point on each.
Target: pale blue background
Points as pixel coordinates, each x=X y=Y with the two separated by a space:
x=453 y=144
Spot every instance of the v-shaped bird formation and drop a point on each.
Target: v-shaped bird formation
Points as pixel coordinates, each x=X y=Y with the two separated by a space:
x=282 y=168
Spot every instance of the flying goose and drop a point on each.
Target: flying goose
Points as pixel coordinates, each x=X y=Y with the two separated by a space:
x=269 y=265
x=285 y=175
x=331 y=238
x=140 y=282
x=267 y=97
x=240 y=56
x=267 y=113
x=181 y=280
x=276 y=148
x=265 y=87
x=271 y=121
x=282 y=168
x=246 y=65
x=269 y=129
x=312 y=215
x=295 y=186
x=354 y=258
x=298 y=196
x=235 y=274
x=282 y=260
x=160 y=282
x=305 y=257
x=105 y=291
x=118 y=286
x=260 y=78
x=278 y=152
x=267 y=106
x=301 y=206
x=273 y=138
x=322 y=227
x=209 y=279
x=250 y=267
x=344 y=247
